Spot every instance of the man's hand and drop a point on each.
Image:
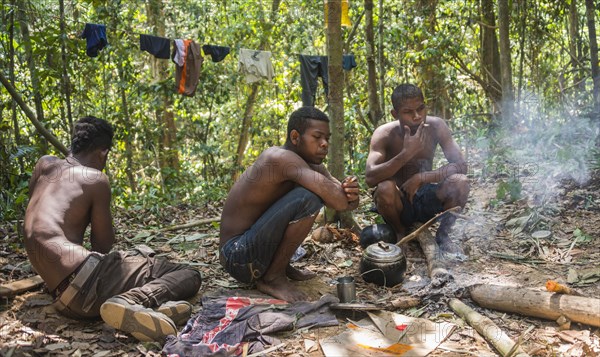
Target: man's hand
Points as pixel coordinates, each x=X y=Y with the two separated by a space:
x=350 y=187
x=414 y=143
x=411 y=186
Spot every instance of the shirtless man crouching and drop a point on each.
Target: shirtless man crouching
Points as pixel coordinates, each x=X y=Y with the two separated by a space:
x=272 y=207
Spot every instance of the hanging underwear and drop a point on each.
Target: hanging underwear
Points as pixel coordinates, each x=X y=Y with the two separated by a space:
x=95 y=36
x=157 y=46
x=312 y=67
x=348 y=62
x=217 y=53
x=255 y=65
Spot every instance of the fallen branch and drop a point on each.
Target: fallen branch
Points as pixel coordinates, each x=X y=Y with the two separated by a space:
x=541 y=304
x=435 y=264
x=488 y=329
x=191 y=224
x=425 y=225
x=20 y=286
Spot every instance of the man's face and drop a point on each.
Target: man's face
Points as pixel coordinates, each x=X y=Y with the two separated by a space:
x=411 y=112
x=313 y=145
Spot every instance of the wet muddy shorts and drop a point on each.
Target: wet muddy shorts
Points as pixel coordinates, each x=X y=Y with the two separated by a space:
x=425 y=205
x=248 y=255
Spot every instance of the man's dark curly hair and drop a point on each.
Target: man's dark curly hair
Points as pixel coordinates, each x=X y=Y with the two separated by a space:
x=300 y=117
x=403 y=92
x=91 y=133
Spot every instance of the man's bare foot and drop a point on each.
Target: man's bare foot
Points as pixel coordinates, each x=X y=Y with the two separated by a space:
x=450 y=250
x=299 y=274
x=282 y=289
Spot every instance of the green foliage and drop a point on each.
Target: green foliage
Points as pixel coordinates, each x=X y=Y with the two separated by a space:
x=509 y=190
x=581 y=237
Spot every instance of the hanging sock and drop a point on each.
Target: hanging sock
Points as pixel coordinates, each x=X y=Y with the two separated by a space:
x=178 y=54
x=312 y=67
x=217 y=53
x=95 y=36
x=345 y=18
x=255 y=65
x=157 y=46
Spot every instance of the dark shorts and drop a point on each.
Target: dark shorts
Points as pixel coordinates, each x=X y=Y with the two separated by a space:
x=248 y=255
x=425 y=205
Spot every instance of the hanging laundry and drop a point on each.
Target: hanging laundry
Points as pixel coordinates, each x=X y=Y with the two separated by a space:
x=178 y=54
x=312 y=67
x=348 y=62
x=95 y=36
x=255 y=65
x=345 y=18
x=217 y=53
x=157 y=46
x=188 y=75
x=226 y=323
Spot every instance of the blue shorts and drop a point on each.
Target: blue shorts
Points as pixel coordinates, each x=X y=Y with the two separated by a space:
x=424 y=207
x=248 y=255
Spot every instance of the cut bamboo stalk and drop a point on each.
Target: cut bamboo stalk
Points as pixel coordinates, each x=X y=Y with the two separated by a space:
x=541 y=304
x=488 y=329
x=20 y=286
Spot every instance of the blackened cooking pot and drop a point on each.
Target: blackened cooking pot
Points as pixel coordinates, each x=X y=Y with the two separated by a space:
x=383 y=264
x=377 y=233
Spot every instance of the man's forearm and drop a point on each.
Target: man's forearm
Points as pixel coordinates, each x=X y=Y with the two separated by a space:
x=443 y=172
x=385 y=170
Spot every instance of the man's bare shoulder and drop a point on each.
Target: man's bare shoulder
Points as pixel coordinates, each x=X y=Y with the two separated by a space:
x=383 y=132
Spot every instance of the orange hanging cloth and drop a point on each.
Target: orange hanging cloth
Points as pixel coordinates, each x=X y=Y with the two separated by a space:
x=345 y=18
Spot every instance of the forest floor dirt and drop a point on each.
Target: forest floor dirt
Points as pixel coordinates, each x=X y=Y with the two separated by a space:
x=496 y=236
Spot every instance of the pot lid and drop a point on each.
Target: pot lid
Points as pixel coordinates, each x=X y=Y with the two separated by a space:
x=383 y=252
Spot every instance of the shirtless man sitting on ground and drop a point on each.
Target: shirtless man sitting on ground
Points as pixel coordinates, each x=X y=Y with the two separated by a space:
x=272 y=207
x=68 y=195
x=400 y=165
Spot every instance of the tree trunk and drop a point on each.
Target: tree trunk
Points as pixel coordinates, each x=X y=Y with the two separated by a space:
x=505 y=61
x=66 y=85
x=11 y=73
x=490 y=56
x=168 y=154
x=574 y=41
x=381 y=61
x=523 y=15
x=35 y=83
x=246 y=122
x=591 y=21
x=375 y=111
x=251 y=101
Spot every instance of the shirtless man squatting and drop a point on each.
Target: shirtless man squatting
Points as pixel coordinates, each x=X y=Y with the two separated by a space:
x=400 y=164
x=270 y=210
x=68 y=195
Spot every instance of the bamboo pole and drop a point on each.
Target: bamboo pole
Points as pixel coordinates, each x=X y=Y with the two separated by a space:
x=541 y=304
x=488 y=329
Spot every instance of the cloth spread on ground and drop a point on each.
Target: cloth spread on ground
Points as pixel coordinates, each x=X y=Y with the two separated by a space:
x=95 y=36
x=157 y=46
x=255 y=65
x=225 y=324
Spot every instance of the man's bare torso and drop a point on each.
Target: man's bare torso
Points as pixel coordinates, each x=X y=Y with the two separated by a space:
x=394 y=142
x=57 y=216
x=258 y=188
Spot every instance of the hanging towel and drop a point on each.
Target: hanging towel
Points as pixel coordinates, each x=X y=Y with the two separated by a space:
x=157 y=46
x=217 y=53
x=312 y=67
x=178 y=52
x=95 y=36
x=255 y=65
x=188 y=75
x=348 y=62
